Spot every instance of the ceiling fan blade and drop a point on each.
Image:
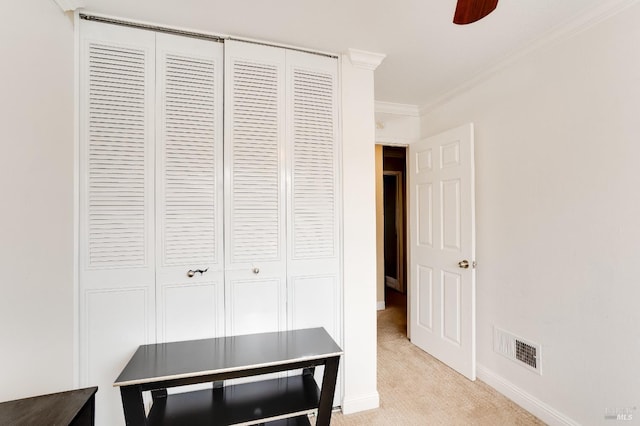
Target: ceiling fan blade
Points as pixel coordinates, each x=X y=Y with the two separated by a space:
x=468 y=11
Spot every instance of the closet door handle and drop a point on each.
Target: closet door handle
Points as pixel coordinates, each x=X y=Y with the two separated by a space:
x=256 y=270
x=191 y=272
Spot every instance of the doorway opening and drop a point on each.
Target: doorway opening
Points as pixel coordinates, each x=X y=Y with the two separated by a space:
x=392 y=217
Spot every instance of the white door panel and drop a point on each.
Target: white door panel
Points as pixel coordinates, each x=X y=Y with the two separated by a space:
x=424 y=204
x=191 y=310
x=313 y=302
x=255 y=251
x=442 y=234
x=116 y=200
x=313 y=207
x=190 y=190
x=451 y=306
x=256 y=306
x=313 y=225
x=254 y=156
x=423 y=295
x=115 y=326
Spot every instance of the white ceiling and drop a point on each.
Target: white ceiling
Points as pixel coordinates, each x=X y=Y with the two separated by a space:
x=427 y=55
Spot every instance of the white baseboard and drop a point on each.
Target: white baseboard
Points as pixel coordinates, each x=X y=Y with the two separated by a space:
x=380 y=306
x=543 y=411
x=361 y=403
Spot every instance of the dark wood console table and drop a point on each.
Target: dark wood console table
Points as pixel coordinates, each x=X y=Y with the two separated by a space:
x=278 y=402
x=71 y=408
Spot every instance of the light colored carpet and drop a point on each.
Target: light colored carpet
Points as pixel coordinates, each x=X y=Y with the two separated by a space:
x=417 y=389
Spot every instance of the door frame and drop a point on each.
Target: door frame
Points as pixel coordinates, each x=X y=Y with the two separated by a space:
x=400 y=221
x=382 y=142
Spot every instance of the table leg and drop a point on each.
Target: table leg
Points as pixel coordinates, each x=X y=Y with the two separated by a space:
x=86 y=415
x=158 y=394
x=326 y=393
x=133 y=406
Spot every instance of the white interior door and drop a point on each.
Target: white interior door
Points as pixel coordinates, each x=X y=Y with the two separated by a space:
x=442 y=239
x=189 y=93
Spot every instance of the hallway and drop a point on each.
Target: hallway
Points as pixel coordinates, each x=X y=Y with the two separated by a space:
x=417 y=389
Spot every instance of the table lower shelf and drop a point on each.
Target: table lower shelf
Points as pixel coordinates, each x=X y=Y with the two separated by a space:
x=247 y=403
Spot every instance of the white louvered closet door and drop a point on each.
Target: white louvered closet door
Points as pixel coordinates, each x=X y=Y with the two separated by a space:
x=313 y=208
x=189 y=176
x=255 y=254
x=116 y=250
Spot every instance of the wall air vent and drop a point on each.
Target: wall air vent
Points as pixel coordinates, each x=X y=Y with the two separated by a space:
x=517 y=349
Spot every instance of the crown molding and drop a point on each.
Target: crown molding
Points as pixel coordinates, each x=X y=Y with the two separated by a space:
x=69 y=5
x=397 y=109
x=584 y=21
x=365 y=60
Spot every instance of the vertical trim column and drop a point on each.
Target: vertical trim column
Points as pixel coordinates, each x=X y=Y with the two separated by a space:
x=359 y=208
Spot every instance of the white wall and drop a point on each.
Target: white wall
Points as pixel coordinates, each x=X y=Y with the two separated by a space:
x=391 y=129
x=396 y=129
x=36 y=220
x=36 y=185
x=358 y=180
x=558 y=216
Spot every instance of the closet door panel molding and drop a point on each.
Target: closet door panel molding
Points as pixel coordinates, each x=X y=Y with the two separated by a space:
x=257 y=306
x=191 y=311
x=110 y=341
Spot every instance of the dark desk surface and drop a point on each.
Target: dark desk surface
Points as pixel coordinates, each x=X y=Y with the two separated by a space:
x=166 y=361
x=53 y=409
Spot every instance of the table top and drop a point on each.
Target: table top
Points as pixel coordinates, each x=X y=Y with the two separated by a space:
x=53 y=409
x=193 y=358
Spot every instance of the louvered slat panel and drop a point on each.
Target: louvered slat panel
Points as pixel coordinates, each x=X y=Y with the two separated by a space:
x=255 y=191
x=116 y=152
x=190 y=164
x=313 y=165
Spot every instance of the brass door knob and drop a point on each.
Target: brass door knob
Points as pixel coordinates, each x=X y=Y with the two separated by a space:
x=464 y=264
